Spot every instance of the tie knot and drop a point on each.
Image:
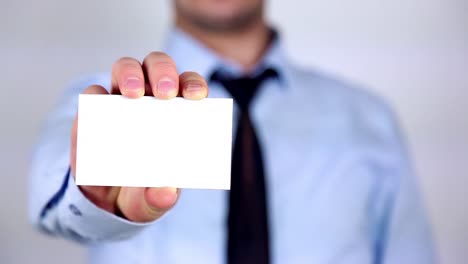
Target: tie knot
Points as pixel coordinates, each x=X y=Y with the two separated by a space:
x=243 y=88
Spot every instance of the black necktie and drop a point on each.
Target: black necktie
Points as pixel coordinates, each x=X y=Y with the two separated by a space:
x=248 y=237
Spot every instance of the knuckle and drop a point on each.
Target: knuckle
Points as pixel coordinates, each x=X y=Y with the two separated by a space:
x=126 y=63
x=129 y=213
x=94 y=89
x=162 y=66
x=157 y=56
x=154 y=212
x=157 y=53
x=191 y=78
x=190 y=75
x=193 y=82
x=126 y=60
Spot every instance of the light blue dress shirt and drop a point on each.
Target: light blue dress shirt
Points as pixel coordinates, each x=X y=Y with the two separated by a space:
x=340 y=188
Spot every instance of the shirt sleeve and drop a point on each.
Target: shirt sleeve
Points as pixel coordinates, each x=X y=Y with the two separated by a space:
x=408 y=239
x=403 y=232
x=56 y=205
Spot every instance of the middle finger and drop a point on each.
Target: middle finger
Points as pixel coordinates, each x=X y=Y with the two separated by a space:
x=162 y=75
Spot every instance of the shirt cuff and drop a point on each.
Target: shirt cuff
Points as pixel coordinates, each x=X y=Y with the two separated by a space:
x=85 y=221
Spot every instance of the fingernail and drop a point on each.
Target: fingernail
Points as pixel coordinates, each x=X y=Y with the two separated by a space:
x=166 y=86
x=133 y=83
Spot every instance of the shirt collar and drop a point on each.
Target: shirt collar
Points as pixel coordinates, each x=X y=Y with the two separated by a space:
x=191 y=55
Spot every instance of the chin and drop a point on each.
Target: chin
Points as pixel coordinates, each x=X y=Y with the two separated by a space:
x=220 y=14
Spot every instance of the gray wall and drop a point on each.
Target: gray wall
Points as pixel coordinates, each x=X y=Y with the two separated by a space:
x=413 y=52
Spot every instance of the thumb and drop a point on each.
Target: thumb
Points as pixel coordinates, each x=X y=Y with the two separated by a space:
x=141 y=204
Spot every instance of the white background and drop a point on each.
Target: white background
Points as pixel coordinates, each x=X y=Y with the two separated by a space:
x=412 y=52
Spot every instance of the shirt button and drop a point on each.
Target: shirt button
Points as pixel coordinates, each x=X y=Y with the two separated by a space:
x=74 y=210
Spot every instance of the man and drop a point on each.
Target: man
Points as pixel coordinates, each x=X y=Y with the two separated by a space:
x=319 y=174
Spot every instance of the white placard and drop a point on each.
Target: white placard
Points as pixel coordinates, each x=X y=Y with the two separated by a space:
x=149 y=142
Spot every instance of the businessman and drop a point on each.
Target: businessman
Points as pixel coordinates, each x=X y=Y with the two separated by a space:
x=319 y=169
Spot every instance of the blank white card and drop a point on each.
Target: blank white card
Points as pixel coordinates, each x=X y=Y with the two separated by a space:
x=149 y=142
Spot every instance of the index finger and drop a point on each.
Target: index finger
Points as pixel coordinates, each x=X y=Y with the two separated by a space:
x=128 y=78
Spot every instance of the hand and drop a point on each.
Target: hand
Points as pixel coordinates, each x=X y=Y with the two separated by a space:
x=128 y=78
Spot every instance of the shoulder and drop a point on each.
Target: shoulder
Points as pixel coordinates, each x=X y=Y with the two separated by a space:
x=335 y=91
x=360 y=114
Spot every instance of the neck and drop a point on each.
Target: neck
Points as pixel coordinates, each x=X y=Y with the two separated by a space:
x=245 y=47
